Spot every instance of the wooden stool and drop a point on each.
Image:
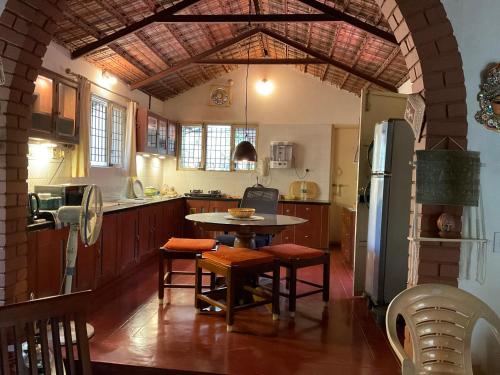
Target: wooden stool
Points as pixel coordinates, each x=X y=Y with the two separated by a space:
x=293 y=257
x=180 y=248
x=236 y=265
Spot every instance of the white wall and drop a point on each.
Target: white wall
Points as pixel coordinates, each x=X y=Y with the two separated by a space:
x=476 y=27
x=42 y=169
x=301 y=109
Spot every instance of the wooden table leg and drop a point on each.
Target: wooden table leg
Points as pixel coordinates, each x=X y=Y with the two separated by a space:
x=246 y=240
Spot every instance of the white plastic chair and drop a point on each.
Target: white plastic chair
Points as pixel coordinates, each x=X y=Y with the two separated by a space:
x=440 y=319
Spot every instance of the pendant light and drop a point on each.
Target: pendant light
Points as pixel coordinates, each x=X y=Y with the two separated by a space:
x=245 y=150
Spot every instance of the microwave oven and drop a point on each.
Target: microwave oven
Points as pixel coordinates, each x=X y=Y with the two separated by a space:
x=71 y=194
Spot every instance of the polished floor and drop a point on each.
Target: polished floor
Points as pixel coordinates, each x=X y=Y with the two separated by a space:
x=132 y=329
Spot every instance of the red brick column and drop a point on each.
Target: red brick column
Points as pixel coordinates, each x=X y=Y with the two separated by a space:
x=26 y=28
x=431 y=52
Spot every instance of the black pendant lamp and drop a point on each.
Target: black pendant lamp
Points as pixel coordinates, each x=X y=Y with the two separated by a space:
x=245 y=150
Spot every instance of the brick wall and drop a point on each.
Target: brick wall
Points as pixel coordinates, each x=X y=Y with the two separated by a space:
x=26 y=28
x=431 y=52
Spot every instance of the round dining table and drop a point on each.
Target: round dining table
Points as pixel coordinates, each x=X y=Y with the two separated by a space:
x=245 y=229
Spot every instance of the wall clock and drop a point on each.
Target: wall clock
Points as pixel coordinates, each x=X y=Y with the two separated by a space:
x=220 y=96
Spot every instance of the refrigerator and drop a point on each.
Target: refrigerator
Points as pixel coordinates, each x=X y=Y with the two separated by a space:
x=389 y=211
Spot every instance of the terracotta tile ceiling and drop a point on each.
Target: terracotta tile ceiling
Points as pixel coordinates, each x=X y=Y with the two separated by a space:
x=160 y=46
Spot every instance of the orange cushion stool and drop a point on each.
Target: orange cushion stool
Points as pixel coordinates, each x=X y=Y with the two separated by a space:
x=292 y=251
x=189 y=244
x=229 y=256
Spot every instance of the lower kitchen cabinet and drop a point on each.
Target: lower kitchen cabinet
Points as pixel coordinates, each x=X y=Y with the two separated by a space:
x=314 y=233
x=127 y=239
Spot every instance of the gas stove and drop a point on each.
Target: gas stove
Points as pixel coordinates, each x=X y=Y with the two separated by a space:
x=200 y=194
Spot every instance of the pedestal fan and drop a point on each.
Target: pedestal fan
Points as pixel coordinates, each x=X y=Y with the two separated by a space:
x=86 y=219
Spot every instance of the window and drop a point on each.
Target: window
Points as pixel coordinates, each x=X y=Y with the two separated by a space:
x=107 y=132
x=218 y=148
x=191 y=147
x=210 y=147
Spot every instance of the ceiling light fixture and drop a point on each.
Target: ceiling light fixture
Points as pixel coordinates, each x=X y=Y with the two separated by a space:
x=245 y=150
x=109 y=78
x=265 y=87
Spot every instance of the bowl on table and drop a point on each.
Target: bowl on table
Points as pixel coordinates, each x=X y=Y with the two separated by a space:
x=241 y=213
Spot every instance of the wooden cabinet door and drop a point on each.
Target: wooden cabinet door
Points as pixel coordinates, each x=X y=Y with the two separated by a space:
x=127 y=239
x=308 y=234
x=109 y=249
x=163 y=224
x=196 y=206
x=178 y=217
x=219 y=206
x=46 y=261
x=162 y=135
x=172 y=139
x=347 y=236
x=86 y=267
x=146 y=231
x=277 y=238
x=288 y=235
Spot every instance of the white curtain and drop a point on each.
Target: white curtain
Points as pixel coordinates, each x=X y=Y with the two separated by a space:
x=80 y=163
x=129 y=165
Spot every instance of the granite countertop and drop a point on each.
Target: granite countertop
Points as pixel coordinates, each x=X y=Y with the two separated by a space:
x=298 y=201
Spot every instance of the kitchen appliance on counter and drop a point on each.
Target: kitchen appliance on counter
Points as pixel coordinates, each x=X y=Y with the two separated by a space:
x=303 y=190
x=281 y=154
x=200 y=194
x=38 y=219
x=71 y=194
x=390 y=192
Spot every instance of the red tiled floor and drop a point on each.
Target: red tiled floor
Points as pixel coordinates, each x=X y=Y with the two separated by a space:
x=133 y=329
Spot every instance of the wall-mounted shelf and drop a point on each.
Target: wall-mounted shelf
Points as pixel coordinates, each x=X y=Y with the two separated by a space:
x=439 y=239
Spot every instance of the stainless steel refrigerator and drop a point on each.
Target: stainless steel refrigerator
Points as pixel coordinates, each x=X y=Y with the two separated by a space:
x=389 y=211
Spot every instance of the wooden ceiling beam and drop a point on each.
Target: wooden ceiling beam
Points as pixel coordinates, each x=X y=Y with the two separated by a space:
x=196 y=58
x=261 y=61
x=353 y=21
x=356 y=59
x=384 y=65
x=136 y=26
x=246 y=18
x=329 y=60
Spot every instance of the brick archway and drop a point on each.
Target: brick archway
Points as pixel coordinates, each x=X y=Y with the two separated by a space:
x=26 y=26
x=434 y=63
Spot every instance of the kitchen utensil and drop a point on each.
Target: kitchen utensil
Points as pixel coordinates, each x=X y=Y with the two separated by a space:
x=303 y=190
x=138 y=189
x=33 y=207
x=151 y=191
x=241 y=212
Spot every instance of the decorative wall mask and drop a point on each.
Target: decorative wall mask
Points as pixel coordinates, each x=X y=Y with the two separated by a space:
x=220 y=96
x=489 y=99
x=415 y=113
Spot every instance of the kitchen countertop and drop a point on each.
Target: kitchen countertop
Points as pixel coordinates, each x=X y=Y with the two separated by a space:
x=115 y=206
x=309 y=201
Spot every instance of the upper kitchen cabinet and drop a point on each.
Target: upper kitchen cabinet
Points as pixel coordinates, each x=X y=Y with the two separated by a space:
x=55 y=109
x=155 y=134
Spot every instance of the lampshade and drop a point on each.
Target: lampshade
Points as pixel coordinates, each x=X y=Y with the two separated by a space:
x=245 y=151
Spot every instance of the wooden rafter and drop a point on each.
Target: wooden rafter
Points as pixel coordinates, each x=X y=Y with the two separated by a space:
x=196 y=58
x=356 y=59
x=136 y=26
x=262 y=61
x=383 y=67
x=353 y=21
x=332 y=49
x=329 y=60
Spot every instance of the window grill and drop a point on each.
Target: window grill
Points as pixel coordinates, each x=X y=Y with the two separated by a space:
x=191 y=146
x=117 y=133
x=240 y=135
x=218 y=157
x=98 y=132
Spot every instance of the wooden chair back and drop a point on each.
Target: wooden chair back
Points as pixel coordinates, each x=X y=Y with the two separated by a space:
x=37 y=324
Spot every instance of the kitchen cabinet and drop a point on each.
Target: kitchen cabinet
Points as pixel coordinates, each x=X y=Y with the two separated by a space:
x=146 y=231
x=86 y=267
x=314 y=233
x=46 y=250
x=55 y=109
x=127 y=240
x=347 y=235
x=107 y=268
x=155 y=134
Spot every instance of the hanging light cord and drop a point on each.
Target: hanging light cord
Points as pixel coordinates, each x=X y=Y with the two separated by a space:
x=248 y=68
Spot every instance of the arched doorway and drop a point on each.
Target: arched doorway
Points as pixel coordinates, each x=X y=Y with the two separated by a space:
x=26 y=26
